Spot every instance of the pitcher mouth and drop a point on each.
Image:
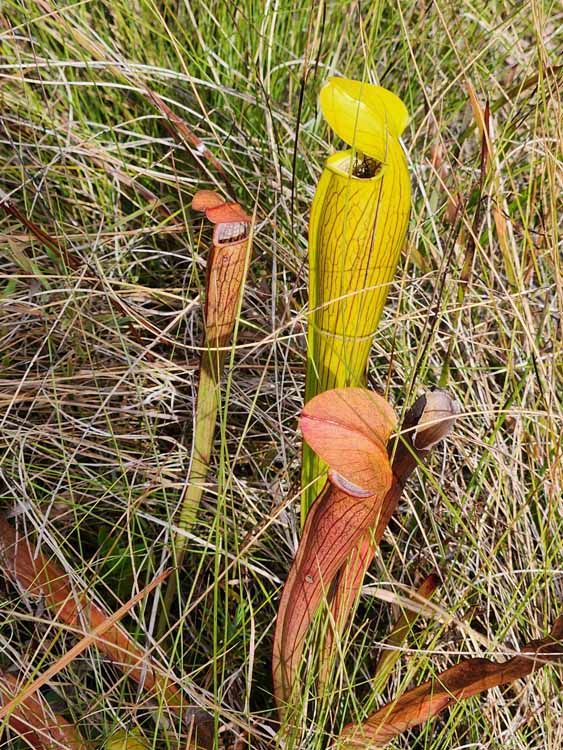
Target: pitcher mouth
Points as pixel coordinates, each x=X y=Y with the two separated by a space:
x=230 y=233
x=355 y=165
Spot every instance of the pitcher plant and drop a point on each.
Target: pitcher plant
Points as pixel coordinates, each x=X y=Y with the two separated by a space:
x=357 y=228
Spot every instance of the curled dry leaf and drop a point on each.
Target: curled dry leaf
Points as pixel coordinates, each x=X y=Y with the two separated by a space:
x=340 y=423
x=468 y=678
x=39 y=576
x=35 y=722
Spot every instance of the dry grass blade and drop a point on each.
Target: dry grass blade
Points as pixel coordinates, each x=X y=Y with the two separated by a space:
x=466 y=679
x=108 y=645
x=46 y=239
x=34 y=722
x=391 y=646
x=180 y=130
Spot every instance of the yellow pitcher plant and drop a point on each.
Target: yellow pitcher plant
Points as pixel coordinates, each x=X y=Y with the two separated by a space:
x=357 y=227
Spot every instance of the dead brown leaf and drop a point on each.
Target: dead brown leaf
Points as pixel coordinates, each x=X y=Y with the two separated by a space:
x=468 y=678
x=33 y=721
x=39 y=576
